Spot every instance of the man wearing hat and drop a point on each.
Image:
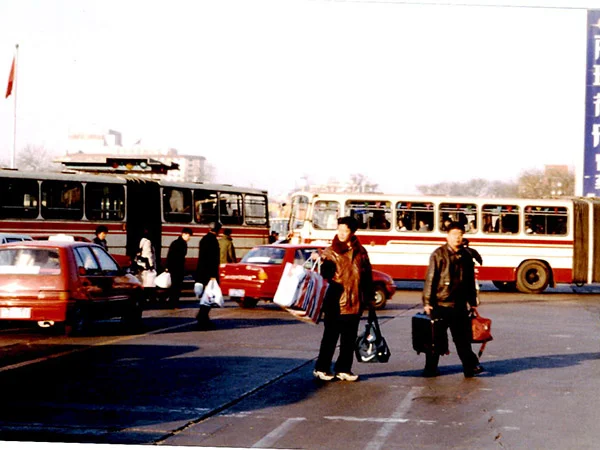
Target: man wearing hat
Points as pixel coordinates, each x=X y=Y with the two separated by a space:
x=209 y=258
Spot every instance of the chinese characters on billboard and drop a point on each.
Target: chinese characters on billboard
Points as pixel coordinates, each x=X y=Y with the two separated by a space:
x=591 y=162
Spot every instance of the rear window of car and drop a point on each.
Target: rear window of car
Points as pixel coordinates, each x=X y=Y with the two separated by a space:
x=34 y=261
x=264 y=255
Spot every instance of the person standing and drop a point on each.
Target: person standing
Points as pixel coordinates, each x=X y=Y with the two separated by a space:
x=226 y=247
x=209 y=258
x=346 y=264
x=148 y=257
x=448 y=294
x=100 y=239
x=176 y=265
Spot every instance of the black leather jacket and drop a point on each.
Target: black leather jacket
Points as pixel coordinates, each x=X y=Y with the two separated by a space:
x=450 y=279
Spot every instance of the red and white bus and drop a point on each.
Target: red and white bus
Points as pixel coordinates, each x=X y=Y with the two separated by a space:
x=45 y=203
x=526 y=244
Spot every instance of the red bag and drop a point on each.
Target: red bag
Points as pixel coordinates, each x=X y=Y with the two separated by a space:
x=481 y=330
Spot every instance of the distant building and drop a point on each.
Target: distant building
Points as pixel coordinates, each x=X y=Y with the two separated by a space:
x=91 y=148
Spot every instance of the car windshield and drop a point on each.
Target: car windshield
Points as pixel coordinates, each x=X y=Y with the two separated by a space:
x=29 y=261
x=264 y=255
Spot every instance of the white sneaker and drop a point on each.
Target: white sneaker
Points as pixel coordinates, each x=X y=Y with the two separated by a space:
x=323 y=375
x=346 y=376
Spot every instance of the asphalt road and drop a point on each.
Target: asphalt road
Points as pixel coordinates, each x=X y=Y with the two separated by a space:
x=248 y=384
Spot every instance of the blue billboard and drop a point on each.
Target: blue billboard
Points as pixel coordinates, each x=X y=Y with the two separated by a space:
x=591 y=157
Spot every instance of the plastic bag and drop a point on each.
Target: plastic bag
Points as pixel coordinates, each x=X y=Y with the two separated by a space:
x=148 y=278
x=212 y=295
x=163 y=281
x=289 y=285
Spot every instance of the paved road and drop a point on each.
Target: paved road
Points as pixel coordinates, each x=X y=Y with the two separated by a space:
x=248 y=384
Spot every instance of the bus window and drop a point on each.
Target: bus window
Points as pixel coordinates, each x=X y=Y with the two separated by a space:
x=230 y=209
x=19 y=199
x=325 y=215
x=104 y=201
x=298 y=211
x=500 y=218
x=414 y=216
x=205 y=206
x=177 y=205
x=256 y=210
x=463 y=213
x=370 y=214
x=62 y=200
x=546 y=220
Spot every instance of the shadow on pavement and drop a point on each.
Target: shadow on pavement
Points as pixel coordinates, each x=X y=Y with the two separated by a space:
x=502 y=367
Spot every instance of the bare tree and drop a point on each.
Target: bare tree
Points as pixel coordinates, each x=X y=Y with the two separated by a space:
x=37 y=158
x=548 y=183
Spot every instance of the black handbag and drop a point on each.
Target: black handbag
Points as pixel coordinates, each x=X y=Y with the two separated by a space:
x=370 y=345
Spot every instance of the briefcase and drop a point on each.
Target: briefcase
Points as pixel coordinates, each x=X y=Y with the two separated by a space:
x=429 y=335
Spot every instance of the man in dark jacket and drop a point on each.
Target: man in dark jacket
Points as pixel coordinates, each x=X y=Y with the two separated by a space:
x=176 y=265
x=209 y=258
x=448 y=294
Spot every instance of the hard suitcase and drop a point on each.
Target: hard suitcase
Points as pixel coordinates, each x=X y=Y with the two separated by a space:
x=429 y=335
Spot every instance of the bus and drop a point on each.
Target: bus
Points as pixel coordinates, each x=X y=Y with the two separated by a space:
x=47 y=203
x=526 y=244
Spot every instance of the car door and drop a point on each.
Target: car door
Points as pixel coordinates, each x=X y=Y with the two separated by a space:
x=117 y=288
x=95 y=285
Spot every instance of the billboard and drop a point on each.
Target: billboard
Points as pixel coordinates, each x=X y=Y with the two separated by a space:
x=591 y=157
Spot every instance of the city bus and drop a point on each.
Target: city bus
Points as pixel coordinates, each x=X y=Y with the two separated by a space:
x=48 y=203
x=526 y=244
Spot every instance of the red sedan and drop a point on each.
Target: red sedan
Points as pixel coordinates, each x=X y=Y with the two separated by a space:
x=257 y=275
x=66 y=284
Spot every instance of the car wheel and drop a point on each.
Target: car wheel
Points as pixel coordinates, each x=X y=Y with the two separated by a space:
x=505 y=286
x=77 y=323
x=532 y=277
x=380 y=298
x=132 y=319
x=246 y=302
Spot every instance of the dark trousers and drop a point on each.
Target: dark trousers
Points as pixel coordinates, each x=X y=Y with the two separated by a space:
x=175 y=291
x=459 y=322
x=345 y=328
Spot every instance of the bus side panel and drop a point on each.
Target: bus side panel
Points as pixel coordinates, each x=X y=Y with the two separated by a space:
x=581 y=214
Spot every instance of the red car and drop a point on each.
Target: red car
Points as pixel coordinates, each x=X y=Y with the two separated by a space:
x=257 y=275
x=66 y=284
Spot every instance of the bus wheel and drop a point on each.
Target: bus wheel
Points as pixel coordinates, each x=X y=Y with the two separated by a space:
x=505 y=286
x=380 y=299
x=246 y=302
x=532 y=277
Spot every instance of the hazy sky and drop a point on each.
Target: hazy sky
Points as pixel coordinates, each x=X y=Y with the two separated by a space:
x=405 y=93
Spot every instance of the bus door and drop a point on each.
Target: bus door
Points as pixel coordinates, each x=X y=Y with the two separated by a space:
x=143 y=211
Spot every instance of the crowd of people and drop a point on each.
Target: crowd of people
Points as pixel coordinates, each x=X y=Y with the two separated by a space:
x=449 y=293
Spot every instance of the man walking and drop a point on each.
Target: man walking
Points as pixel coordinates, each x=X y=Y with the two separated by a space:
x=209 y=258
x=176 y=265
x=448 y=294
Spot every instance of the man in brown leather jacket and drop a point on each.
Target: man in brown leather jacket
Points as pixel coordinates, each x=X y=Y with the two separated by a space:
x=448 y=294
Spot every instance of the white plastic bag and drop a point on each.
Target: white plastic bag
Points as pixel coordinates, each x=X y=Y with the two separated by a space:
x=212 y=295
x=287 y=290
x=163 y=281
x=198 y=290
x=148 y=278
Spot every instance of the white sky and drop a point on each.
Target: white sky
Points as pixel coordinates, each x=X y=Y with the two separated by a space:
x=269 y=91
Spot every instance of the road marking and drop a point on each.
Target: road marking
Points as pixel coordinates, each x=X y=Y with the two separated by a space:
x=387 y=428
x=367 y=419
x=82 y=349
x=270 y=439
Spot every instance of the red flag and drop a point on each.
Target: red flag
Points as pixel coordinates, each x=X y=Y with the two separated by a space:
x=11 y=79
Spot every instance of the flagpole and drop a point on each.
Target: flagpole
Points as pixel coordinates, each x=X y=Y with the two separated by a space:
x=14 y=153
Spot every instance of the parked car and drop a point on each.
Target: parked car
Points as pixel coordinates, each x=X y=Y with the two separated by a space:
x=257 y=275
x=5 y=238
x=66 y=284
